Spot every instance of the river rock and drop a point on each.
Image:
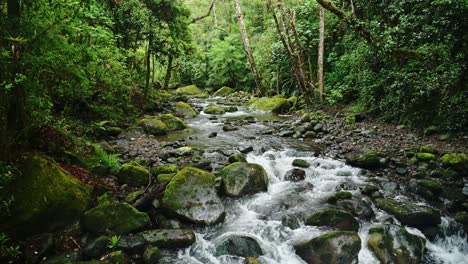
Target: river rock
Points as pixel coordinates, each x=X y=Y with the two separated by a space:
x=295 y=175
x=96 y=247
x=411 y=214
x=229 y=127
x=456 y=161
x=46 y=197
x=429 y=189
x=242 y=246
x=133 y=175
x=188 y=90
x=113 y=257
x=237 y=158
x=118 y=218
x=169 y=238
x=212 y=109
x=132 y=244
x=276 y=105
x=243 y=178
x=300 y=163
x=151 y=255
x=191 y=194
x=153 y=125
x=367 y=160
x=394 y=244
x=335 y=218
x=336 y=247
x=360 y=208
x=224 y=91
x=251 y=260
x=173 y=123
x=339 y=196
x=164 y=169
x=184 y=110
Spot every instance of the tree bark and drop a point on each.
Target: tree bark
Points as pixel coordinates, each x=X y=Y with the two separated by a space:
x=248 y=49
x=168 y=72
x=321 y=50
x=148 y=67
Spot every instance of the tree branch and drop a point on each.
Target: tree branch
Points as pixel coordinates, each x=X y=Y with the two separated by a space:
x=204 y=16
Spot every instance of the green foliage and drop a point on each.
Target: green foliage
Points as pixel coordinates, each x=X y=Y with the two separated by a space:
x=113 y=241
x=111 y=161
x=8 y=251
x=7 y=174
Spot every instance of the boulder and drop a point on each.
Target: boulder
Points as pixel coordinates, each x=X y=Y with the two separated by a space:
x=95 y=248
x=151 y=255
x=237 y=158
x=242 y=246
x=169 y=238
x=368 y=160
x=45 y=198
x=393 y=244
x=164 y=169
x=191 y=194
x=300 y=163
x=429 y=189
x=153 y=125
x=118 y=218
x=229 y=127
x=411 y=214
x=295 y=175
x=275 y=105
x=251 y=260
x=223 y=91
x=456 y=161
x=133 y=175
x=184 y=110
x=212 y=109
x=131 y=244
x=339 y=196
x=241 y=178
x=335 y=218
x=188 y=90
x=173 y=123
x=361 y=208
x=336 y=247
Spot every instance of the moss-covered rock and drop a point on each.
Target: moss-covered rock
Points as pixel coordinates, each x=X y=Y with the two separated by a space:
x=118 y=218
x=301 y=163
x=212 y=109
x=192 y=195
x=169 y=238
x=335 y=218
x=339 y=196
x=151 y=255
x=189 y=90
x=45 y=197
x=431 y=130
x=275 y=105
x=153 y=125
x=164 y=169
x=293 y=101
x=223 y=91
x=251 y=260
x=411 y=214
x=184 y=110
x=173 y=123
x=165 y=177
x=425 y=156
x=116 y=257
x=237 y=158
x=393 y=244
x=428 y=149
x=456 y=161
x=241 y=178
x=336 y=247
x=242 y=246
x=106 y=198
x=429 y=189
x=133 y=175
x=367 y=160
x=133 y=196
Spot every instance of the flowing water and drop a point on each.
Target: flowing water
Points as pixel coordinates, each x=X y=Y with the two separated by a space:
x=275 y=219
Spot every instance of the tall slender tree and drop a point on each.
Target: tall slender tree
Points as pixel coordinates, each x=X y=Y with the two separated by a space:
x=321 y=50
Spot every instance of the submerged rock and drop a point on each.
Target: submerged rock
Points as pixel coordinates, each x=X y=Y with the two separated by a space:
x=169 y=238
x=276 y=105
x=411 y=214
x=117 y=218
x=394 y=244
x=295 y=175
x=242 y=178
x=242 y=246
x=46 y=197
x=336 y=247
x=191 y=194
x=184 y=110
x=335 y=218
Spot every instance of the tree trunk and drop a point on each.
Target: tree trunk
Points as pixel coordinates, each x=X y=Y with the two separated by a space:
x=148 y=67
x=248 y=50
x=321 y=50
x=168 y=72
x=215 y=15
x=278 y=72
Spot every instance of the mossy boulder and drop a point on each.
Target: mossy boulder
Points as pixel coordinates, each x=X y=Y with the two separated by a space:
x=223 y=91
x=237 y=158
x=165 y=177
x=153 y=125
x=462 y=218
x=422 y=156
x=151 y=255
x=242 y=246
x=367 y=160
x=45 y=198
x=339 y=196
x=119 y=218
x=275 y=105
x=241 y=178
x=336 y=247
x=300 y=163
x=335 y=218
x=429 y=189
x=189 y=90
x=192 y=195
x=251 y=260
x=184 y=110
x=164 y=169
x=169 y=238
x=293 y=101
x=212 y=109
x=428 y=149
x=394 y=244
x=133 y=175
x=173 y=123
x=456 y=161
x=411 y=214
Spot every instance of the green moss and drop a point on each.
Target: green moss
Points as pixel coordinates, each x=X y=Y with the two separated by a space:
x=461 y=217
x=410 y=214
x=237 y=158
x=119 y=218
x=164 y=169
x=457 y=161
x=189 y=90
x=165 y=177
x=133 y=175
x=107 y=198
x=300 y=163
x=45 y=195
x=276 y=105
x=133 y=196
x=241 y=178
x=251 y=260
x=335 y=218
x=350 y=119
x=153 y=125
x=151 y=254
x=117 y=257
x=173 y=123
x=223 y=91
x=431 y=130
x=293 y=101
x=425 y=156
x=368 y=160
x=428 y=149
x=213 y=110
x=184 y=110
x=339 y=196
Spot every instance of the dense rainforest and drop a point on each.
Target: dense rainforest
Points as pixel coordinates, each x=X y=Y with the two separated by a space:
x=233 y=131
